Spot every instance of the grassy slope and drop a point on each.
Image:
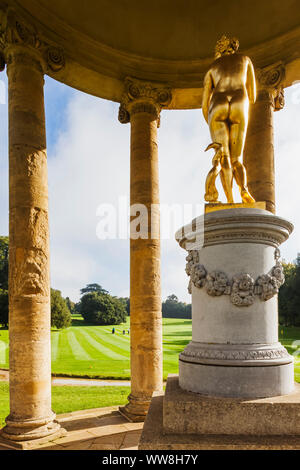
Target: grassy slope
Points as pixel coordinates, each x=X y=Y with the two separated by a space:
x=93 y=351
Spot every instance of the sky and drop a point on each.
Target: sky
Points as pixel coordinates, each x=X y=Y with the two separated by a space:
x=88 y=166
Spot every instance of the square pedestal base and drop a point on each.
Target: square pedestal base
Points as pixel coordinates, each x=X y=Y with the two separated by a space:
x=183 y=420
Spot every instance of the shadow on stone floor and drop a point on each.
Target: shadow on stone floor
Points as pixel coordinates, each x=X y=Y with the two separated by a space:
x=97 y=429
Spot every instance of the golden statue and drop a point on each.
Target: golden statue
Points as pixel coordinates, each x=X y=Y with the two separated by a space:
x=229 y=86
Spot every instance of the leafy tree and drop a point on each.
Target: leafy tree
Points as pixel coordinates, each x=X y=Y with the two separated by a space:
x=4 y=307
x=102 y=309
x=4 y=263
x=289 y=295
x=172 y=308
x=126 y=302
x=60 y=313
x=70 y=305
x=93 y=288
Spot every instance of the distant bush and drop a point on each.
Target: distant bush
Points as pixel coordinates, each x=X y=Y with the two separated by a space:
x=172 y=308
x=60 y=313
x=102 y=309
x=3 y=307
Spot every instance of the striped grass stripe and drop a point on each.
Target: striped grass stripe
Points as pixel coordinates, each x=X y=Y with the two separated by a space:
x=78 y=351
x=102 y=349
x=112 y=340
x=54 y=345
x=112 y=343
x=3 y=352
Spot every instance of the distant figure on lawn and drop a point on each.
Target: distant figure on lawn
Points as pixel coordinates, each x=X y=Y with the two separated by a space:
x=113 y=331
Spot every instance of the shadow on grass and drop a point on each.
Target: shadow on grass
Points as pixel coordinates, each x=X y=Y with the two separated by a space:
x=186 y=322
x=187 y=333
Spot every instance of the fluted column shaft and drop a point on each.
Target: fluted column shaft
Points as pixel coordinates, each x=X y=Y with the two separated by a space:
x=29 y=281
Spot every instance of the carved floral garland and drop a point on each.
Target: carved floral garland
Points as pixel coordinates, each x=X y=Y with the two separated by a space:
x=242 y=288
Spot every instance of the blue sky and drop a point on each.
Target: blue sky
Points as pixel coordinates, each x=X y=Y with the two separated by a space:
x=88 y=163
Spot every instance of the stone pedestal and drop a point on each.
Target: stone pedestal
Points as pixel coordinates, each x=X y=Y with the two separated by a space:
x=235 y=276
x=181 y=420
x=235 y=388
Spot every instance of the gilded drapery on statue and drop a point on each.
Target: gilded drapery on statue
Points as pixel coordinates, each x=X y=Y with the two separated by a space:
x=229 y=87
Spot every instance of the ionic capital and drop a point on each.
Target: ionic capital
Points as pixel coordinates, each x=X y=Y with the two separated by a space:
x=270 y=85
x=140 y=96
x=18 y=37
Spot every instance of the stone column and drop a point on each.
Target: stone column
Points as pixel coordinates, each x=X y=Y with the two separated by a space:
x=30 y=415
x=259 y=145
x=141 y=106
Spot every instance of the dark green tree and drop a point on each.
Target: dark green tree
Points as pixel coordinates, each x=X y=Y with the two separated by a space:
x=60 y=313
x=70 y=305
x=93 y=288
x=102 y=309
x=4 y=307
x=172 y=308
x=126 y=302
x=289 y=295
x=4 y=263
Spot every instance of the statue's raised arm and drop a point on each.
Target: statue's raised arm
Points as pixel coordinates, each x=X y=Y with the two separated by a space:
x=229 y=87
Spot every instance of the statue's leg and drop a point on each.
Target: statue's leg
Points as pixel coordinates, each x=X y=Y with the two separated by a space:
x=218 y=126
x=239 y=120
x=219 y=132
x=211 y=192
x=226 y=178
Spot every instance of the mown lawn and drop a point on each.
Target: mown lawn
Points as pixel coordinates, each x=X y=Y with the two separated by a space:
x=93 y=351
x=66 y=399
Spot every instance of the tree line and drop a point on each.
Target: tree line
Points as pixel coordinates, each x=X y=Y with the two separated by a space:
x=289 y=295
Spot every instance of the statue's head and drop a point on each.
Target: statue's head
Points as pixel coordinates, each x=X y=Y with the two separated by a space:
x=226 y=45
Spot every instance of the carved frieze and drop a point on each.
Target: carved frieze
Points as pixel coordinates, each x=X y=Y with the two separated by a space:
x=242 y=288
x=198 y=352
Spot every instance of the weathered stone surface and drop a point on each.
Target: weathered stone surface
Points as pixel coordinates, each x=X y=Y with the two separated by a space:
x=259 y=145
x=154 y=437
x=29 y=280
x=145 y=290
x=192 y=413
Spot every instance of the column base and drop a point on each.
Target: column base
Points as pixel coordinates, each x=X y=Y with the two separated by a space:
x=30 y=430
x=136 y=410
